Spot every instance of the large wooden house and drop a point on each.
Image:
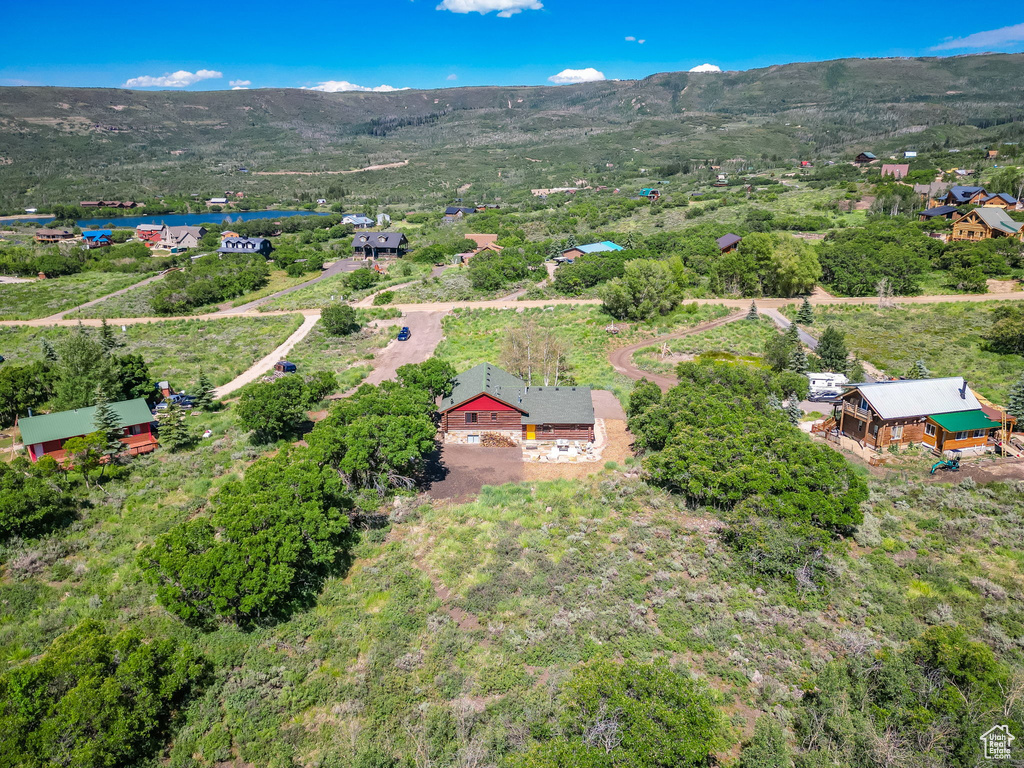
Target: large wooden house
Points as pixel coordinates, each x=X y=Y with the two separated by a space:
x=864 y=158
x=487 y=399
x=45 y=235
x=985 y=223
x=45 y=435
x=943 y=414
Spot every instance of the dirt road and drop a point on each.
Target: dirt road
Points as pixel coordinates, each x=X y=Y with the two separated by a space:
x=622 y=358
x=337 y=268
x=426 y=335
x=263 y=365
x=61 y=315
x=381 y=167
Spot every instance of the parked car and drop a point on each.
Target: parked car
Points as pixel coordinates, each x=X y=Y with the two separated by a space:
x=404 y=334
x=182 y=401
x=824 y=395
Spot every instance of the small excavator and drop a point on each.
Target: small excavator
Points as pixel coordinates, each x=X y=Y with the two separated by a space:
x=952 y=464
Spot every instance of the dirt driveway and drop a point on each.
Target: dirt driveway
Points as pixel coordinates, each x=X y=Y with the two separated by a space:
x=460 y=471
x=426 y=334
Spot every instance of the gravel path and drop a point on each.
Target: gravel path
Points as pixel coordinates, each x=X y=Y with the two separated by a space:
x=265 y=364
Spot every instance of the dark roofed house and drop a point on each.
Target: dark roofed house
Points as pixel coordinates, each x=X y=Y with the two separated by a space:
x=487 y=399
x=896 y=170
x=1000 y=200
x=53 y=235
x=864 y=158
x=258 y=245
x=374 y=245
x=728 y=243
x=942 y=211
x=959 y=195
x=45 y=435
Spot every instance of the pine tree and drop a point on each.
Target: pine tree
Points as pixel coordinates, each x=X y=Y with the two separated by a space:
x=49 y=353
x=919 y=371
x=752 y=312
x=174 y=433
x=774 y=402
x=571 y=242
x=798 y=359
x=107 y=422
x=792 y=335
x=806 y=314
x=1015 y=399
x=554 y=250
x=832 y=351
x=632 y=241
x=793 y=410
x=108 y=341
x=203 y=398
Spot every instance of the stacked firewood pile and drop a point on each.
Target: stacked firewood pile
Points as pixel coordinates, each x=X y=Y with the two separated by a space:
x=494 y=440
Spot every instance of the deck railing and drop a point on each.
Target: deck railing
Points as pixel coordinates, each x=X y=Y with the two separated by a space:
x=853 y=410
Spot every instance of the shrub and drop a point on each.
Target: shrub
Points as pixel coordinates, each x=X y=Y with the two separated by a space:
x=29 y=503
x=94 y=700
x=383 y=298
x=339 y=319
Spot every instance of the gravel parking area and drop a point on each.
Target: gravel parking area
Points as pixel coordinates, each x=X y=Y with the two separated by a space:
x=460 y=471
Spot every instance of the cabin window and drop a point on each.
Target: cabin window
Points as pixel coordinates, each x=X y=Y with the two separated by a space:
x=471 y=418
x=547 y=428
x=474 y=439
x=874 y=430
x=962 y=435
x=929 y=429
x=863 y=404
x=979 y=433
x=494 y=417
x=897 y=432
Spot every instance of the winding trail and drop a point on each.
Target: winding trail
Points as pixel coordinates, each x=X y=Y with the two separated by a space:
x=264 y=364
x=622 y=358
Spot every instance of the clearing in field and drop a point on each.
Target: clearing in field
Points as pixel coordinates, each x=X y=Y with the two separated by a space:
x=28 y=301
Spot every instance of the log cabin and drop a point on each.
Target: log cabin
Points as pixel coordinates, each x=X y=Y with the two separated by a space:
x=897 y=413
x=985 y=223
x=864 y=158
x=45 y=435
x=45 y=235
x=487 y=399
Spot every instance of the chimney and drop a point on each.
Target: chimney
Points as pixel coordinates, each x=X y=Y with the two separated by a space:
x=963 y=391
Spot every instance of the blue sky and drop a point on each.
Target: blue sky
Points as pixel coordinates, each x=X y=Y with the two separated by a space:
x=440 y=43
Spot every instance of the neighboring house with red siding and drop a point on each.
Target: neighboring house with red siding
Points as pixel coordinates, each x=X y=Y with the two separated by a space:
x=487 y=399
x=45 y=435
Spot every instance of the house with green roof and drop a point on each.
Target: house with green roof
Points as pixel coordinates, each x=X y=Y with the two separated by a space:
x=487 y=399
x=45 y=435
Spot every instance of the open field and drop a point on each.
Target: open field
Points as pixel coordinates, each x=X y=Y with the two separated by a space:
x=346 y=356
x=175 y=350
x=136 y=303
x=474 y=336
x=946 y=336
x=321 y=294
x=28 y=301
x=742 y=338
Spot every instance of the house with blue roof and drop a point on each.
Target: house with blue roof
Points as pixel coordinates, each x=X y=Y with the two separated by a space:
x=97 y=238
x=579 y=250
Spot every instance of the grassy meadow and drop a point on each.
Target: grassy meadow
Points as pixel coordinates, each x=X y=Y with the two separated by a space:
x=741 y=338
x=175 y=350
x=948 y=337
x=28 y=301
x=474 y=336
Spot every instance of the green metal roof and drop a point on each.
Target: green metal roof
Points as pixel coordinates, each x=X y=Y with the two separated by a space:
x=65 y=424
x=542 y=405
x=999 y=219
x=964 y=420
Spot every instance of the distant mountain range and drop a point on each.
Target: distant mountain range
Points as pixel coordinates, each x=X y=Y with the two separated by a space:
x=59 y=142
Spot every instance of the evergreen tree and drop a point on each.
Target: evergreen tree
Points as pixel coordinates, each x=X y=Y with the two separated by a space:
x=49 y=353
x=1015 y=399
x=774 y=402
x=203 y=398
x=108 y=341
x=767 y=749
x=752 y=312
x=806 y=314
x=174 y=433
x=798 y=359
x=554 y=249
x=632 y=241
x=919 y=371
x=108 y=424
x=571 y=242
x=856 y=371
x=832 y=351
x=792 y=335
x=793 y=410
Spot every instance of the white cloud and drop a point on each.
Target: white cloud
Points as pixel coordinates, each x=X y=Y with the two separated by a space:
x=993 y=38
x=240 y=83
x=452 y=76
x=630 y=39
x=179 y=79
x=566 y=76
x=338 y=86
x=706 y=68
x=505 y=8
x=641 y=41
x=239 y=88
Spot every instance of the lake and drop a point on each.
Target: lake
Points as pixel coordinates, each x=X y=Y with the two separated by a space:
x=176 y=219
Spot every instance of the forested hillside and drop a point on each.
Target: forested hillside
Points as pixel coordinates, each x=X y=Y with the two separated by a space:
x=57 y=144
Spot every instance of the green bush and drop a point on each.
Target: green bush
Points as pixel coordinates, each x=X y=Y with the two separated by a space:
x=29 y=503
x=94 y=700
x=339 y=319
